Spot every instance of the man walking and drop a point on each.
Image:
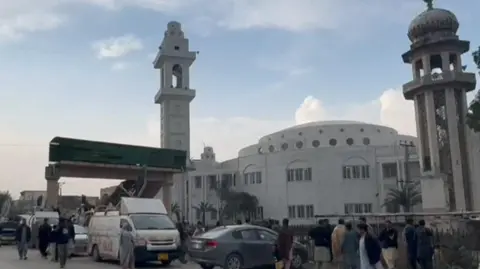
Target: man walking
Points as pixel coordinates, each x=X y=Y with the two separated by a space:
x=424 y=246
x=23 y=236
x=44 y=237
x=63 y=237
x=338 y=236
x=389 y=242
x=409 y=235
x=322 y=237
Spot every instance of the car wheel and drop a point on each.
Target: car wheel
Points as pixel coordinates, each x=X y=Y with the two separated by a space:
x=96 y=254
x=233 y=261
x=297 y=261
x=206 y=266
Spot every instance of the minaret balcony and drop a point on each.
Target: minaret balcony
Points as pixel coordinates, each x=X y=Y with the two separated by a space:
x=173 y=93
x=435 y=81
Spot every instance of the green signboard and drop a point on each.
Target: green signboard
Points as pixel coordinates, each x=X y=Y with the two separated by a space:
x=77 y=150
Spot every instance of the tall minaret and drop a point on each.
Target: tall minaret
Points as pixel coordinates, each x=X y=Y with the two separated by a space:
x=174 y=96
x=438 y=89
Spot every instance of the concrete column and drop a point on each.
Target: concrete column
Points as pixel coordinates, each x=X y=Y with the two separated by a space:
x=167 y=197
x=420 y=122
x=426 y=64
x=445 y=61
x=456 y=159
x=432 y=131
x=52 y=192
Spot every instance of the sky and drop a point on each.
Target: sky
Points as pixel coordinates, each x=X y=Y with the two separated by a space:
x=83 y=69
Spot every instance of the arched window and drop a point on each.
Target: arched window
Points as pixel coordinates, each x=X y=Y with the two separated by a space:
x=177 y=76
x=298 y=170
x=356 y=168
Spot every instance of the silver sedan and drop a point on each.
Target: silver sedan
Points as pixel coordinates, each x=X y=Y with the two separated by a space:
x=239 y=246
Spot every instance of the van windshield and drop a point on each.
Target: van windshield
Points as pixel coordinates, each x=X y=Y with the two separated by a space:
x=152 y=222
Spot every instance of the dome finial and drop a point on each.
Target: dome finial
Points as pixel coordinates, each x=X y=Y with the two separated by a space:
x=429 y=4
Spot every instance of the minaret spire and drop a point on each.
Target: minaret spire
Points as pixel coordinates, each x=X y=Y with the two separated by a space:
x=429 y=4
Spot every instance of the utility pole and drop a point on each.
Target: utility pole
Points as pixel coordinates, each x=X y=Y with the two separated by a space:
x=407 y=180
x=406 y=147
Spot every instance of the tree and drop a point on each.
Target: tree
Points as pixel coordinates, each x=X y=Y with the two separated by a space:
x=233 y=202
x=204 y=208
x=406 y=197
x=175 y=208
x=5 y=203
x=473 y=115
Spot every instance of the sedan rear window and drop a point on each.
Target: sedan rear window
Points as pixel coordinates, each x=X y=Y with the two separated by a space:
x=214 y=233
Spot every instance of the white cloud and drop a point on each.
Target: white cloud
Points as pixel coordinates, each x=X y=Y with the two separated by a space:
x=20 y=17
x=115 y=47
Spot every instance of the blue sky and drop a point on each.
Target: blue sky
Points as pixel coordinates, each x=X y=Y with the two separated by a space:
x=263 y=65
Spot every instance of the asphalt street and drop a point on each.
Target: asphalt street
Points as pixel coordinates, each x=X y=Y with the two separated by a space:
x=9 y=260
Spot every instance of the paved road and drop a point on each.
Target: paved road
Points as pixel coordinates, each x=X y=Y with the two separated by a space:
x=9 y=260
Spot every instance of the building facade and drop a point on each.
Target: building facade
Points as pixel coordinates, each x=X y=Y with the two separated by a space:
x=331 y=167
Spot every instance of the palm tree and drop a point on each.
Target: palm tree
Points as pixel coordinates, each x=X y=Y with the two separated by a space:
x=175 y=209
x=408 y=196
x=203 y=208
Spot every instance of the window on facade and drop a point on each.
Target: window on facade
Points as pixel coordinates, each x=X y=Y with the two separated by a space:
x=284 y=146
x=252 y=178
x=349 y=141
x=333 y=142
x=300 y=211
x=366 y=141
x=389 y=170
x=315 y=143
x=271 y=148
x=259 y=213
x=308 y=174
x=213 y=215
x=347 y=173
x=365 y=171
x=299 y=144
x=299 y=174
x=290 y=175
x=212 y=181
x=358 y=208
x=356 y=171
x=309 y=211
x=198 y=182
x=291 y=212
x=245 y=178
x=258 y=177
x=228 y=180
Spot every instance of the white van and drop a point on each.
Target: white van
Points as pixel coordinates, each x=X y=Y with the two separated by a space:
x=157 y=238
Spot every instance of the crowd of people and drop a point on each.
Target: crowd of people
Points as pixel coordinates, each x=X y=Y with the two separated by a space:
x=57 y=241
x=349 y=247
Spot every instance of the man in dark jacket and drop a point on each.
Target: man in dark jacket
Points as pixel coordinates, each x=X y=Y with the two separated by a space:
x=183 y=242
x=63 y=237
x=322 y=238
x=410 y=237
x=71 y=234
x=23 y=236
x=389 y=240
x=424 y=245
x=43 y=237
x=373 y=256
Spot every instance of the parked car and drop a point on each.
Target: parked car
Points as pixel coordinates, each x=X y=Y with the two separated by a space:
x=240 y=246
x=7 y=232
x=81 y=240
